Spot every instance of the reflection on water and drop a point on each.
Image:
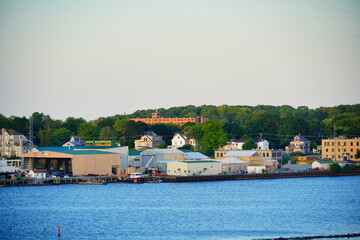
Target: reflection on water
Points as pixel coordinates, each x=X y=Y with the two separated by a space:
x=249 y=209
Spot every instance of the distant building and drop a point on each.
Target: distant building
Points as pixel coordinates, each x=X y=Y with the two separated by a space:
x=103 y=143
x=13 y=143
x=180 y=140
x=38 y=173
x=148 y=141
x=299 y=144
x=322 y=164
x=156 y=118
x=250 y=156
x=256 y=168
x=192 y=168
x=235 y=144
x=340 y=149
x=74 y=142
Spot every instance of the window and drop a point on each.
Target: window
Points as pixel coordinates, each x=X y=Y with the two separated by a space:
x=344 y=143
x=351 y=149
x=326 y=150
x=351 y=143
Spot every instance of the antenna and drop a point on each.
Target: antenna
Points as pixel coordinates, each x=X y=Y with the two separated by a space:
x=31 y=134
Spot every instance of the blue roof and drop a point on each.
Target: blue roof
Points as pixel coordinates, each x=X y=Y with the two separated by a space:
x=303 y=139
x=78 y=143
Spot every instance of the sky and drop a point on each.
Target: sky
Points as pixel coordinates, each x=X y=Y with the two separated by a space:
x=92 y=59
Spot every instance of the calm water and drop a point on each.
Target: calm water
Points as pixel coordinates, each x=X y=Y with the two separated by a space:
x=206 y=210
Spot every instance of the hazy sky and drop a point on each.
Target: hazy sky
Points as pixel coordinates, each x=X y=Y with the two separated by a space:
x=100 y=58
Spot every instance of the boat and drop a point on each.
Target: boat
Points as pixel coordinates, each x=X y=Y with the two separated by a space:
x=136 y=177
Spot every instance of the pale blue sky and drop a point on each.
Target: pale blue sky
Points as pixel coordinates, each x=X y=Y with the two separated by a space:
x=101 y=58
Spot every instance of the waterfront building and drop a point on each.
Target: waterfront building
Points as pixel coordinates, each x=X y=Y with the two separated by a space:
x=233 y=165
x=152 y=158
x=13 y=143
x=250 y=156
x=156 y=118
x=148 y=141
x=74 y=142
x=322 y=164
x=73 y=161
x=194 y=156
x=340 y=148
x=256 y=168
x=193 y=168
x=299 y=144
x=276 y=154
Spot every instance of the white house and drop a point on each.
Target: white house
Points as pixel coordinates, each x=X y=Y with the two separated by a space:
x=180 y=140
x=74 y=142
x=262 y=144
x=193 y=168
x=299 y=144
x=256 y=168
x=322 y=164
x=38 y=173
x=235 y=144
x=148 y=140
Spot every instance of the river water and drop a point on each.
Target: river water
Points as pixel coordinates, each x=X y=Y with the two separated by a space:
x=243 y=209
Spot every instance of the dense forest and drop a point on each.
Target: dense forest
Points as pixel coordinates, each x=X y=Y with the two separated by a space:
x=277 y=124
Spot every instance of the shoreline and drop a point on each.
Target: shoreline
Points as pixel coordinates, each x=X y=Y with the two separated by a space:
x=103 y=180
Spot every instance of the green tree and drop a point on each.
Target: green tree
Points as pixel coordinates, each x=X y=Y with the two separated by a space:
x=162 y=145
x=73 y=124
x=249 y=145
x=107 y=133
x=214 y=135
x=60 y=136
x=89 y=131
x=335 y=167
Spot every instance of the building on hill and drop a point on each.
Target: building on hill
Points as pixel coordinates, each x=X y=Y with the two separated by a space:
x=180 y=140
x=235 y=144
x=156 y=118
x=299 y=144
x=340 y=148
x=13 y=143
x=148 y=141
x=74 y=142
x=103 y=143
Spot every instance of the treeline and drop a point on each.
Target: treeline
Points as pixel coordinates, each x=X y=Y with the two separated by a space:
x=277 y=124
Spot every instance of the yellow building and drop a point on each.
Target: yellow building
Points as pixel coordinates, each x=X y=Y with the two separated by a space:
x=340 y=149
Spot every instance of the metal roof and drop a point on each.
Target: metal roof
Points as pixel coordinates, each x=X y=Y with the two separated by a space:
x=232 y=160
x=239 y=153
x=72 y=150
x=195 y=155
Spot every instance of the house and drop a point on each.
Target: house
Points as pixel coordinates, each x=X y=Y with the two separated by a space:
x=13 y=143
x=250 y=156
x=38 y=173
x=322 y=164
x=233 y=165
x=148 y=141
x=299 y=144
x=74 y=142
x=235 y=144
x=193 y=168
x=180 y=140
x=340 y=148
x=256 y=168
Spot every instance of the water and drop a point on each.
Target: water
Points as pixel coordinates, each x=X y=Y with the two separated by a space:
x=204 y=210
